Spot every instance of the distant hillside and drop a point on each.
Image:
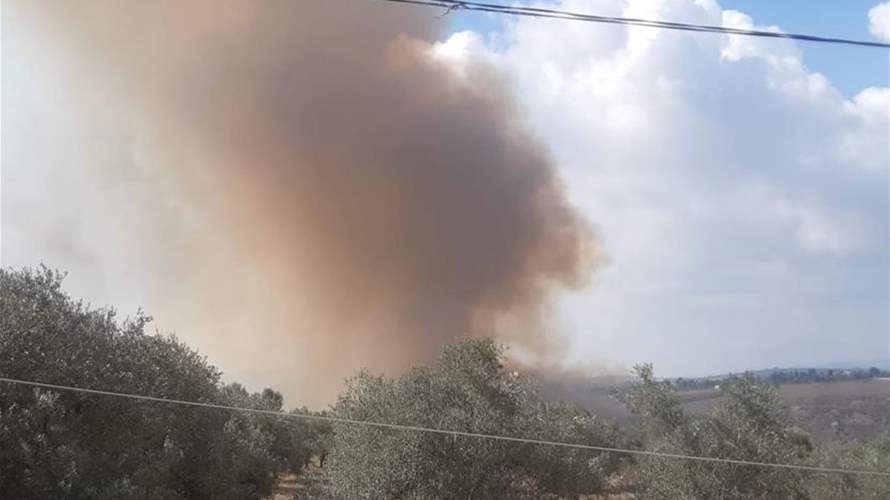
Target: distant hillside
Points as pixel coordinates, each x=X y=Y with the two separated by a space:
x=835 y=403
x=881 y=364
x=838 y=372
x=828 y=411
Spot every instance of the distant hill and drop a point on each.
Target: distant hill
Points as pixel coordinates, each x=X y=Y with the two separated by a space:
x=882 y=364
x=829 y=408
x=834 y=372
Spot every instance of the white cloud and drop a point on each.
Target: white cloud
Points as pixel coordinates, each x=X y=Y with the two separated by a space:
x=879 y=21
x=743 y=200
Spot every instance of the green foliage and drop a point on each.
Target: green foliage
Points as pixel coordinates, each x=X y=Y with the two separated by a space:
x=67 y=445
x=469 y=390
x=873 y=454
x=748 y=426
x=61 y=444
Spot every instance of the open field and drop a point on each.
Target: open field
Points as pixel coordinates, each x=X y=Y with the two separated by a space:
x=828 y=410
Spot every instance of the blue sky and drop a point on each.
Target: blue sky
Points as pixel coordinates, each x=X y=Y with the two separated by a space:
x=753 y=224
x=850 y=69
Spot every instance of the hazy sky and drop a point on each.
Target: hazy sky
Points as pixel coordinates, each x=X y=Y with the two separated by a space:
x=738 y=187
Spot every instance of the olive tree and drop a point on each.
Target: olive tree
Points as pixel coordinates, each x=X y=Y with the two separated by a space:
x=871 y=455
x=747 y=426
x=469 y=390
x=62 y=444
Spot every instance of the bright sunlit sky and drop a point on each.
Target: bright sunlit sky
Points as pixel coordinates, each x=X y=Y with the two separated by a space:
x=849 y=70
x=743 y=207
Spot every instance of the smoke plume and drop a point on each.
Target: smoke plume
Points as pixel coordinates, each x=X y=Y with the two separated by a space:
x=307 y=187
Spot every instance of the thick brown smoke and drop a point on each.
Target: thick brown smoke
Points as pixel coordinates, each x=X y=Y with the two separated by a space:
x=335 y=196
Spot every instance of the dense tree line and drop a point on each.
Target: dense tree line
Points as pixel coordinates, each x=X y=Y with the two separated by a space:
x=65 y=445
x=779 y=376
x=797 y=376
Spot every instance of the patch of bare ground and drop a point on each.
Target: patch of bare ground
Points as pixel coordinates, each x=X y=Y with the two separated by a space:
x=617 y=487
x=311 y=483
x=830 y=411
x=285 y=488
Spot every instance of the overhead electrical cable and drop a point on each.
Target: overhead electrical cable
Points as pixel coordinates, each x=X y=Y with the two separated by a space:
x=454 y=5
x=450 y=432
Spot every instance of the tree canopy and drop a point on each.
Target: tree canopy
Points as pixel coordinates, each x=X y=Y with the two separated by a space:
x=750 y=426
x=468 y=390
x=73 y=446
x=59 y=444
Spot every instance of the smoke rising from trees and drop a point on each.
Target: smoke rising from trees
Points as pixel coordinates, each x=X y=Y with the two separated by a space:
x=309 y=186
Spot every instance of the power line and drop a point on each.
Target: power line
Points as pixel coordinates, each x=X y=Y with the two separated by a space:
x=453 y=5
x=495 y=437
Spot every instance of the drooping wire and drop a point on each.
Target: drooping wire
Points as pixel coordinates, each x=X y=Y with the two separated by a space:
x=450 y=432
x=453 y=5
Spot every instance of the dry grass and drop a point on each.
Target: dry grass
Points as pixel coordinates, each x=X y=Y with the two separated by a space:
x=829 y=411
